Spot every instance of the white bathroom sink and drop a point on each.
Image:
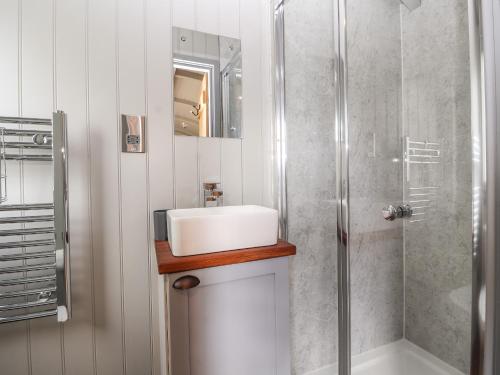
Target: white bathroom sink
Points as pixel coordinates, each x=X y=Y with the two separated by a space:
x=206 y=230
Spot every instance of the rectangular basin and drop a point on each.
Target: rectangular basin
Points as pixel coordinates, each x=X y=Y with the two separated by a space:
x=207 y=230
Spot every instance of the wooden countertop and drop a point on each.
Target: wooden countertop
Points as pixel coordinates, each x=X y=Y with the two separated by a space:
x=168 y=263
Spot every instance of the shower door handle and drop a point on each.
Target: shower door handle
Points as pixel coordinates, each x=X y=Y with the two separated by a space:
x=391 y=212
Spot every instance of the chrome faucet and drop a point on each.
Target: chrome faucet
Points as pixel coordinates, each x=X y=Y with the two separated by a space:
x=391 y=212
x=212 y=194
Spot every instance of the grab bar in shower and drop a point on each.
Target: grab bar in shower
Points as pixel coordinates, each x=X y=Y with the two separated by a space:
x=49 y=292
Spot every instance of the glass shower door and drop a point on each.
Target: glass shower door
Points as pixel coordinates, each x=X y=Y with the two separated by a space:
x=407 y=135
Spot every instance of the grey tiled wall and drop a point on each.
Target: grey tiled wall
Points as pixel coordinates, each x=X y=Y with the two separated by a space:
x=311 y=182
x=375 y=171
x=407 y=75
x=436 y=93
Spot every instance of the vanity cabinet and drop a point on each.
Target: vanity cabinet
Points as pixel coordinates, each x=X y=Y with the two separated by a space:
x=234 y=322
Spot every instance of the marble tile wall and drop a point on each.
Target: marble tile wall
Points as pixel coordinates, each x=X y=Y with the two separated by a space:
x=375 y=171
x=311 y=183
x=436 y=107
x=407 y=75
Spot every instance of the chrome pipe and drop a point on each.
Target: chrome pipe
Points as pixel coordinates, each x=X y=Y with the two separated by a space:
x=38 y=267
x=26 y=132
x=25 y=207
x=25 y=305
x=17 y=318
x=280 y=131
x=61 y=217
x=34 y=255
x=26 y=292
x=27 y=280
x=25 y=120
x=29 y=145
x=28 y=157
x=34 y=243
x=26 y=219
x=26 y=231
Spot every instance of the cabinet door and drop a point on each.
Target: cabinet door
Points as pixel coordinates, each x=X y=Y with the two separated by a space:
x=235 y=322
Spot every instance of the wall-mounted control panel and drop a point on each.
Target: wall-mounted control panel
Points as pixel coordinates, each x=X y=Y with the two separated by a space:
x=133 y=133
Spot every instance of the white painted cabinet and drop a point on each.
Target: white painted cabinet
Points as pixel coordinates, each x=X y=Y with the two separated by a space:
x=235 y=322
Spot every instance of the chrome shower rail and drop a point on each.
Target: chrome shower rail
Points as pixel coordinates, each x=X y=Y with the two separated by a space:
x=36 y=268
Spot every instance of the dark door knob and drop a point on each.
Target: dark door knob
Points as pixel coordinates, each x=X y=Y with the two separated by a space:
x=186 y=282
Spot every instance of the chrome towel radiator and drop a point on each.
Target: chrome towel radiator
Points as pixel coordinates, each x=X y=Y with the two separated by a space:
x=34 y=241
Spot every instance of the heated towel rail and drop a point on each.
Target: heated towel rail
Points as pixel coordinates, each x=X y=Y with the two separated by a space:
x=34 y=241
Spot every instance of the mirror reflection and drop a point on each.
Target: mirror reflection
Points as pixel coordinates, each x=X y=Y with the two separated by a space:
x=207 y=84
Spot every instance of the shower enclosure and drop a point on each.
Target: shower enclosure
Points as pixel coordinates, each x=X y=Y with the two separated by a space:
x=382 y=167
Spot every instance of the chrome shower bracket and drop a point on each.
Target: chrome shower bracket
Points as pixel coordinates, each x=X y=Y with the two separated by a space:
x=391 y=212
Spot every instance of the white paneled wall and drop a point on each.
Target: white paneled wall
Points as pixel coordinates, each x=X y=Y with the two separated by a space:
x=242 y=166
x=219 y=17
x=199 y=160
x=96 y=59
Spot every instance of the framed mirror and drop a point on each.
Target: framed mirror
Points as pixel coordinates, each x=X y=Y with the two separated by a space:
x=207 y=76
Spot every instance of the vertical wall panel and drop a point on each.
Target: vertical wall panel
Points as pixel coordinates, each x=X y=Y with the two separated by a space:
x=134 y=192
x=160 y=138
x=37 y=101
x=267 y=136
x=37 y=57
x=229 y=16
x=183 y=13
x=209 y=162
x=71 y=79
x=186 y=172
x=251 y=39
x=231 y=171
x=111 y=58
x=207 y=16
x=14 y=342
x=9 y=30
x=104 y=188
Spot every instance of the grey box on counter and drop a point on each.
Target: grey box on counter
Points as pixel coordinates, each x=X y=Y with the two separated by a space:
x=160 y=225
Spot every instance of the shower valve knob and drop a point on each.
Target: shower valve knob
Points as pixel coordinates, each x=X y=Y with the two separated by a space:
x=391 y=212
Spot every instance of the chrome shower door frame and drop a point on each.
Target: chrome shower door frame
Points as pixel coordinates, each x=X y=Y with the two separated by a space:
x=279 y=115
x=485 y=97
x=342 y=187
x=485 y=197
